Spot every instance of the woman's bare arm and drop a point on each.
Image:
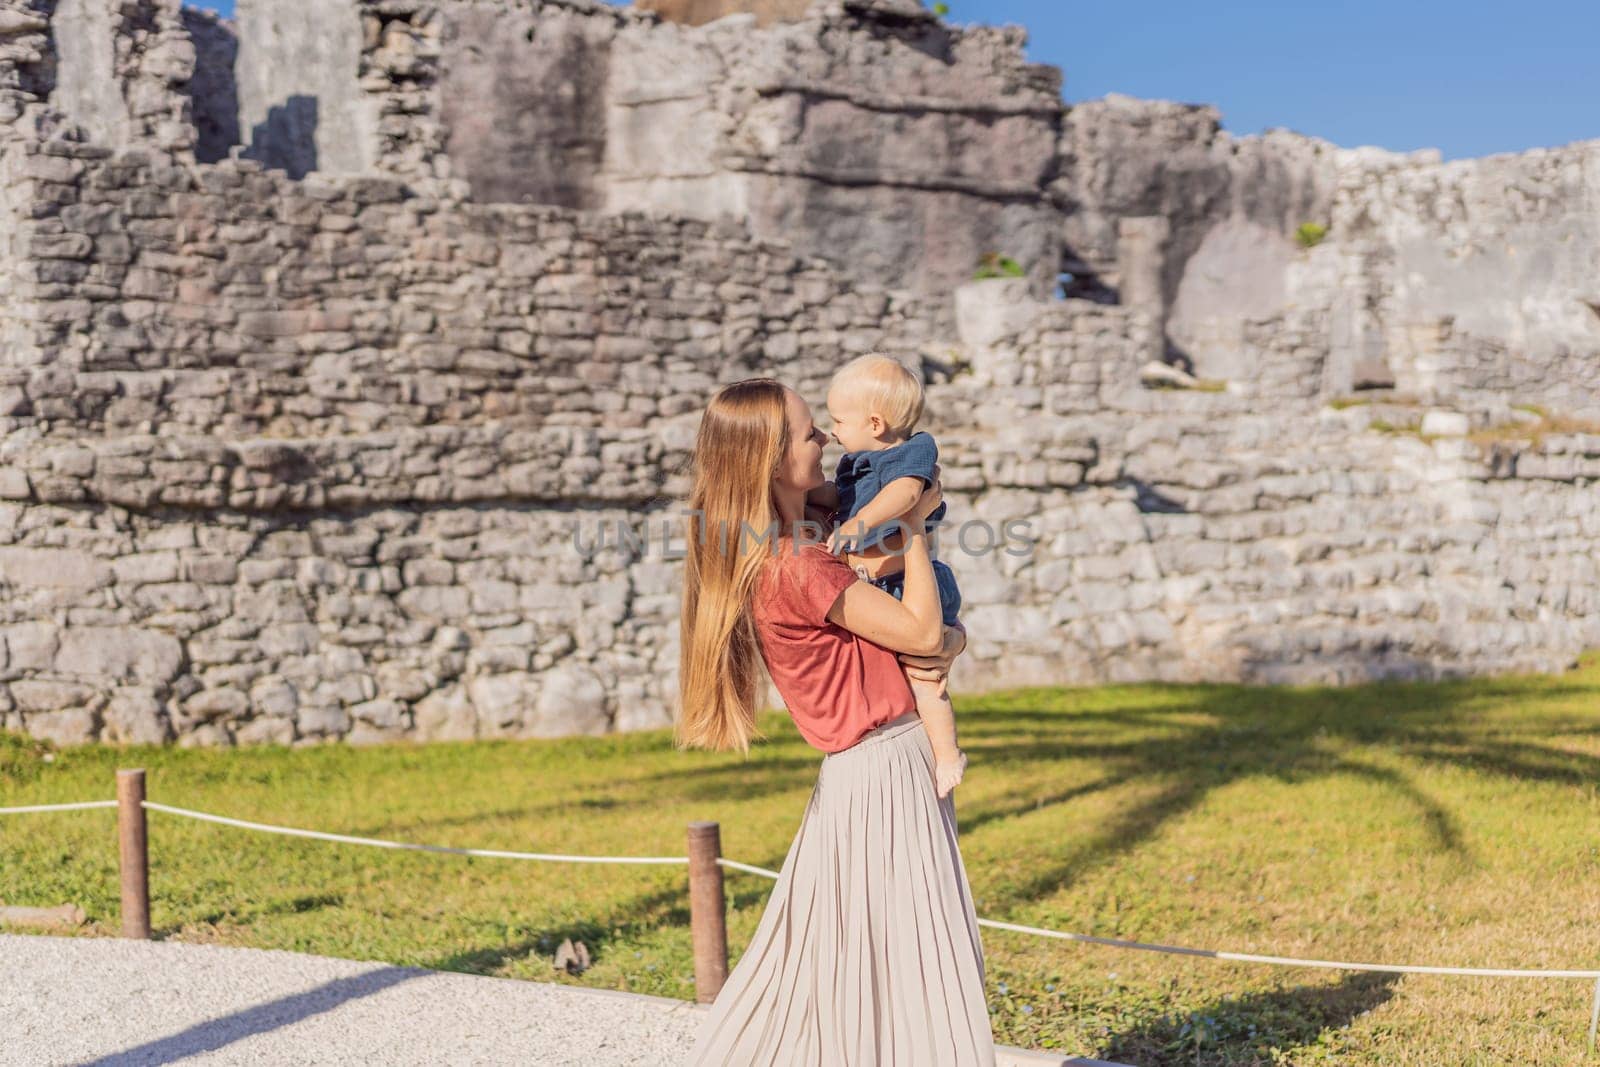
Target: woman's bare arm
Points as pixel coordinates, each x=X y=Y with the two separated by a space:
x=869 y=612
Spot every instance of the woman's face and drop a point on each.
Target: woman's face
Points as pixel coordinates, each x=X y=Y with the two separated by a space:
x=801 y=469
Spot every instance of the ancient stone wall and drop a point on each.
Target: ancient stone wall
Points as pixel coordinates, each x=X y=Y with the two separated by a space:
x=524 y=99
x=1174 y=535
x=699 y=12
x=227 y=299
x=317 y=459
x=874 y=134
x=1487 y=272
x=119 y=71
x=213 y=89
x=1470 y=280
x=360 y=498
x=291 y=459
x=1187 y=534
x=301 y=105
x=902 y=149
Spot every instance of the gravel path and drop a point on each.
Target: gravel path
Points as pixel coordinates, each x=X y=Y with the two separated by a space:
x=104 y=1001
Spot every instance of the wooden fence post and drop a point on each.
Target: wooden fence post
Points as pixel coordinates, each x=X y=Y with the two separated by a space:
x=707 y=911
x=135 y=855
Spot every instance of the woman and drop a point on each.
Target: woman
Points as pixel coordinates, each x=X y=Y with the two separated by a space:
x=868 y=951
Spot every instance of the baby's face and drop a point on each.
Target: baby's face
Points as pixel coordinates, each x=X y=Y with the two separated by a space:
x=852 y=423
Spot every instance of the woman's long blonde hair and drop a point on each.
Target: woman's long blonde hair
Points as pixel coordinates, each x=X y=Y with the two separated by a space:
x=743 y=438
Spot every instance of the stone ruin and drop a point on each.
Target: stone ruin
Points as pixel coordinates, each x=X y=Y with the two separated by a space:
x=334 y=334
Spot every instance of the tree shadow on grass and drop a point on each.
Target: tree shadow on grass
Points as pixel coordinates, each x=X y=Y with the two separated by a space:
x=1176 y=744
x=629 y=921
x=1018 y=804
x=1246 y=1030
x=1182 y=742
x=427 y=823
x=1206 y=738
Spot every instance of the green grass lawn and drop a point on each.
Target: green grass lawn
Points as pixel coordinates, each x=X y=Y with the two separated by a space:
x=1445 y=824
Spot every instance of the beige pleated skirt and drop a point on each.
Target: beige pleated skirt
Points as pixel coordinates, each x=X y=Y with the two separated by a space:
x=868 y=954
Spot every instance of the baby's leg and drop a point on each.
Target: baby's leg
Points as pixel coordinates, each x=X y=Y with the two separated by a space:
x=939 y=718
x=938 y=715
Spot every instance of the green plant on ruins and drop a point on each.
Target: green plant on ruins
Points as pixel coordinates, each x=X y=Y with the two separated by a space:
x=1310 y=234
x=958 y=361
x=995 y=265
x=1384 y=398
x=1532 y=430
x=1385 y=426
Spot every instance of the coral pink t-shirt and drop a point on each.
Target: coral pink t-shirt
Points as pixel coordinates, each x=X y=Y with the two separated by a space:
x=837 y=685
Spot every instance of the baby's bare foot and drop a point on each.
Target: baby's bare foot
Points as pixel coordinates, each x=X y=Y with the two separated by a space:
x=946 y=776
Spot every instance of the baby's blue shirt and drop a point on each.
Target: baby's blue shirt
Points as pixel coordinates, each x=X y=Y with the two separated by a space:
x=862 y=475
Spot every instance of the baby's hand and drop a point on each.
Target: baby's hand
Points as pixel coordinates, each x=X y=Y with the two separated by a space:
x=946 y=776
x=844 y=536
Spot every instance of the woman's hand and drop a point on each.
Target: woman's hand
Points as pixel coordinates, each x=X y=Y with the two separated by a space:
x=845 y=535
x=936 y=668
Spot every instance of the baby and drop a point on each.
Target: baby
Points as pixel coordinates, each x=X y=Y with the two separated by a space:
x=874 y=403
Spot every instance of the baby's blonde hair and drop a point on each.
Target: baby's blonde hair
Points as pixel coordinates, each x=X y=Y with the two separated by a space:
x=886 y=386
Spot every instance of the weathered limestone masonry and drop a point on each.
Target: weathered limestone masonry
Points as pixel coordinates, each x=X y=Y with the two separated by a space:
x=1199 y=535
x=312 y=412
x=868 y=132
x=335 y=495
x=1472 y=281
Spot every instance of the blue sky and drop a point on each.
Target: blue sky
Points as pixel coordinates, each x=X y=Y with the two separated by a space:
x=1467 y=77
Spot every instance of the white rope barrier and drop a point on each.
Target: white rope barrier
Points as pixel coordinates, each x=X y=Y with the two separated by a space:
x=373 y=842
x=1110 y=942
x=747 y=868
x=1287 y=961
x=84 y=805
x=1241 y=957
